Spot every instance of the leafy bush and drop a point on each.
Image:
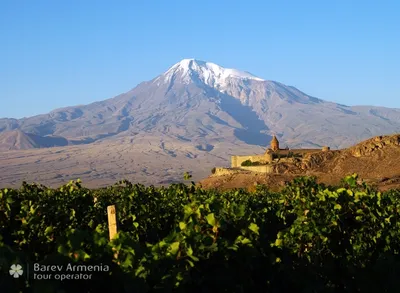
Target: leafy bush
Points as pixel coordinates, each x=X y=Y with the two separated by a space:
x=248 y=163
x=306 y=238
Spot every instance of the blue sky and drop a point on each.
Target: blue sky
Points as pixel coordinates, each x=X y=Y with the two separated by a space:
x=63 y=53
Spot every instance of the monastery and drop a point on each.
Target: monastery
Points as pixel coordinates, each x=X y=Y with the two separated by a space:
x=273 y=153
x=269 y=162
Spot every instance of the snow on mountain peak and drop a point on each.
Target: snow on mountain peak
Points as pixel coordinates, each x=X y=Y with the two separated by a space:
x=207 y=72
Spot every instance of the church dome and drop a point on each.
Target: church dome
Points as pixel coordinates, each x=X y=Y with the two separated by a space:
x=274 y=143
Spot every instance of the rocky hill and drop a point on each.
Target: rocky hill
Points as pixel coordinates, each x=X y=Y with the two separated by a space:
x=19 y=140
x=376 y=161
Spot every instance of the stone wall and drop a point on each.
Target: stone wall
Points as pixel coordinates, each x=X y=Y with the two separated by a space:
x=219 y=171
x=298 y=151
x=259 y=169
x=236 y=161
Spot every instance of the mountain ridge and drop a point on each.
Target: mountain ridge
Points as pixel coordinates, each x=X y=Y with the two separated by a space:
x=201 y=100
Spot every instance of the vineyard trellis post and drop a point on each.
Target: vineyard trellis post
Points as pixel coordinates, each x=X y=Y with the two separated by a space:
x=112 y=221
x=112 y=224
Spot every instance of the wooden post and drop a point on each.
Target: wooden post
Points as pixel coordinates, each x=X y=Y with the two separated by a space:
x=112 y=225
x=112 y=221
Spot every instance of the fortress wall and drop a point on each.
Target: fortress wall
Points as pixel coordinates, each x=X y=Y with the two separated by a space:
x=259 y=169
x=236 y=161
x=224 y=171
x=298 y=151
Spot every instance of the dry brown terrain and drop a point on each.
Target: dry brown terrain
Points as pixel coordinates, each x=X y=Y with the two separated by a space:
x=376 y=161
x=159 y=161
x=144 y=159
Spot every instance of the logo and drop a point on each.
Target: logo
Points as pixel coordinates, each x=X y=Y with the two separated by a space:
x=16 y=271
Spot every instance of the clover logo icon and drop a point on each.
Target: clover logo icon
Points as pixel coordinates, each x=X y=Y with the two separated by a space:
x=16 y=271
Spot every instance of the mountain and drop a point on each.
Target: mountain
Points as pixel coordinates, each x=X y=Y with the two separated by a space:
x=19 y=140
x=195 y=114
x=201 y=101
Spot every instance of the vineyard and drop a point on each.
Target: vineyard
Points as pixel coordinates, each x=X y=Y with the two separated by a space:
x=306 y=238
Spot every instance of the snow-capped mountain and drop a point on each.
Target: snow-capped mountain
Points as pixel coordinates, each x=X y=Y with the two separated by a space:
x=213 y=75
x=203 y=103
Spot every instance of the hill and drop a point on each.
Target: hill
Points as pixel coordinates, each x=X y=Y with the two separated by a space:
x=376 y=161
x=19 y=140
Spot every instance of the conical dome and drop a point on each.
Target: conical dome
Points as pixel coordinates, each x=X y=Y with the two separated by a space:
x=274 y=143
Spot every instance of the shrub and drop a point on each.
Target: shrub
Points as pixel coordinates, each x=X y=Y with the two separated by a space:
x=247 y=163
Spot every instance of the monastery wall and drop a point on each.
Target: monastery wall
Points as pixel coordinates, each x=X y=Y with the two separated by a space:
x=236 y=161
x=259 y=169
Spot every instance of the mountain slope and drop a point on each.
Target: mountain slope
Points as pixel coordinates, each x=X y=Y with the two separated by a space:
x=19 y=140
x=204 y=102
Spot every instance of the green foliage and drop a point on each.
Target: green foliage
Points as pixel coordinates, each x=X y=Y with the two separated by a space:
x=306 y=238
x=250 y=163
x=247 y=163
x=288 y=155
x=187 y=176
